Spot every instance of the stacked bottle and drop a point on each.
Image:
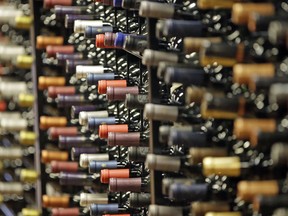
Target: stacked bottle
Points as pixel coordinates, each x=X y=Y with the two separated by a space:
x=230 y=134
x=18 y=171
x=91 y=93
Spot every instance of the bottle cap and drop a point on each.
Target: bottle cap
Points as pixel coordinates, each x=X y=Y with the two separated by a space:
x=25 y=100
x=123 y=139
x=11 y=153
x=109 y=39
x=182 y=28
x=119 y=93
x=70 y=100
x=95 y=122
x=27 y=137
x=160 y=112
x=198 y=154
x=30 y=212
x=201 y=208
x=243 y=127
x=23 y=22
x=247 y=190
x=96 y=166
x=230 y=166
x=87 y=199
x=188 y=138
x=28 y=175
x=82 y=71
x=136 y=101
x=24 y=61
x=72 y=64
x=43 y=41
x=86 y=158
x=135 y=43
x=138 y=200
x=242 y=11
x=194 y=44
x=3 y=106
x=48 y=121
x=51 y=3
x=63 y=57
x=65 y=49
x=156 y=10
x=47 y=156
x=55 y=132
x=212 y=4
x=70 y=19
x=105 y=129
x=100 y=209
x=222 y=53
x=193 y=192
x=277 y=33
x=53 y=91
x=63 y=166
x=125 y=184
x=65 y=212
x=137 y=153
x=157 y=210
x=61 y=11
x=77 y=151
x=9 y=188
x=93 y=31
x=103 y=84
x=99 y=43
x=85 y=116
x=152 y=57
x=66 y=142
x=55 y=201
x=243 y=73
x=44 y=82
x=75 y=110
x=278 y=154
x=81 y=25
x=106 y=174
x=10 y=125
x=163 y=163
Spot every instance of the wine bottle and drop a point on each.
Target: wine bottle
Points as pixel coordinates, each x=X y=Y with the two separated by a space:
x=106 y=174
x=128 y=139
x=189 y=114
x=129 y=184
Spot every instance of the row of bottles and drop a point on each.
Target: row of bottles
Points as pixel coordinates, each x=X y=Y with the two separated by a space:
x=144 y=107
x=91 y=86
x=229 y=134
x=18 y=173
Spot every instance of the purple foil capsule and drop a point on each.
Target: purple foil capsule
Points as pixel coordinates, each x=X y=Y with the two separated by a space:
x=63 y=57
x=61 y=11
x=75 y=110
x=70 y=100
x=75 y=179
